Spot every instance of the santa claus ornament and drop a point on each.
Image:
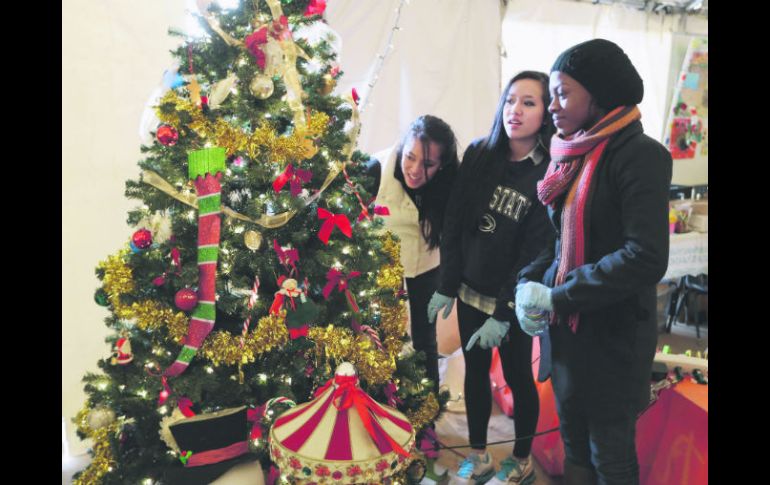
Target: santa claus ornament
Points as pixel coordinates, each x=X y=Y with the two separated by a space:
x=342 y=436
x=122 y=352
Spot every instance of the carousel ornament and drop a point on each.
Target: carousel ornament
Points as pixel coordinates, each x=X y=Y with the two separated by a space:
x=343 y=435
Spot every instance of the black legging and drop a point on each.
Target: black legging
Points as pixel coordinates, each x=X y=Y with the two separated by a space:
x=420 y=289
x=516 y=360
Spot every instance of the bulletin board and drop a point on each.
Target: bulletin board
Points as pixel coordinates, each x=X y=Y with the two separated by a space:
x=686 y=134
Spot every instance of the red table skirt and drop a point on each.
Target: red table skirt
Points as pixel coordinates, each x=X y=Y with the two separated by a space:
x=671 y=436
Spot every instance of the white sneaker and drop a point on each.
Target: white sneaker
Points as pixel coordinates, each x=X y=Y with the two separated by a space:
x=518 y=471
x=475 y=469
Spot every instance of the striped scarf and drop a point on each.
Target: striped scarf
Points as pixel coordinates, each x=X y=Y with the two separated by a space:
x=573 y=164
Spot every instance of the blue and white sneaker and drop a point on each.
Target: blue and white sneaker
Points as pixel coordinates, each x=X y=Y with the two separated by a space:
x=517 y=471
x=475 y=470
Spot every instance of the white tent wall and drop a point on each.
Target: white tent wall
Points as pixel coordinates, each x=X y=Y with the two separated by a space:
x=445 y=61
x=113 y=56
x=535 y=32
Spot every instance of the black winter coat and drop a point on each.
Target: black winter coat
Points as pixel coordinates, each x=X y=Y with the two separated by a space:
x=605 y=368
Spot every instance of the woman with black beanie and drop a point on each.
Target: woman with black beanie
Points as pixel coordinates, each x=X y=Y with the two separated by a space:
x=591 y=296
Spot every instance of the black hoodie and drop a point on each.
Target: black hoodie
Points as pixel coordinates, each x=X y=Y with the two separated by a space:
x=511 y=229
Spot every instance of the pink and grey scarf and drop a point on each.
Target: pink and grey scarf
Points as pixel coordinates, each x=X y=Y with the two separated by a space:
x=572 y=168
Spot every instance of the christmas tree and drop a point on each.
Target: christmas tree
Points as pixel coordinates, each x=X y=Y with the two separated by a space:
x=259 y=262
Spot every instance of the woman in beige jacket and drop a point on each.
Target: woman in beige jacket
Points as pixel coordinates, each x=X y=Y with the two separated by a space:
x=413 y=181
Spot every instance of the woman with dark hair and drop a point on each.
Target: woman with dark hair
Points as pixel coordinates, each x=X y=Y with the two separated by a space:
x=591 y=296
x=494 y=227
x=414 y=182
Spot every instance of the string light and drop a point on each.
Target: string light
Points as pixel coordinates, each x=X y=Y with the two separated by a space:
x=381 y=58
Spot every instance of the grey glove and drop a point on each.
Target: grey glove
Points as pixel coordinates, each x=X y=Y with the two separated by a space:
x=436 y=303
x=532 y=322
x=534 y=296
x=490 y=334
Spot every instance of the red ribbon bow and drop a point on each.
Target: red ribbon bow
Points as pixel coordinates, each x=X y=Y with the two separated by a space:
x=339 y=279
x=287 y=257
x=354 y=93
x=331 y=220
x=185 y=405
x=280 y=29
x=254 y=43
x=298 y=332
x=297 y=177
x=379 y=210
x=315 y=7
x=391 y=391
x=349 y=394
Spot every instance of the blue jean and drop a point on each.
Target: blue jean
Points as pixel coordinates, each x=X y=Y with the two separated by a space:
x=606 y=447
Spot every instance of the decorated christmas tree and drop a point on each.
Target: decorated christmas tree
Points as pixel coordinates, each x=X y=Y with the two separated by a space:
x=258 y=262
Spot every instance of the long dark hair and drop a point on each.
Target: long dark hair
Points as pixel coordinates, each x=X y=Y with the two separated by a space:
x=434 y=195
x=495 y=148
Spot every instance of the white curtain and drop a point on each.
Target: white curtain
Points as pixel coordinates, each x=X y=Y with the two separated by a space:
x=445 y=62
x=535 y=32
x=113 y=56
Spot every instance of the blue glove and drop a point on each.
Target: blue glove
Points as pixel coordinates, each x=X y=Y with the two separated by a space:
x=490 y=334
x=436 y=303
x=534 y=296
x=532 y=323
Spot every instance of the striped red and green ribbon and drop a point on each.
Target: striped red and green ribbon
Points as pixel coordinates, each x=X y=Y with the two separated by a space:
x=206 y=167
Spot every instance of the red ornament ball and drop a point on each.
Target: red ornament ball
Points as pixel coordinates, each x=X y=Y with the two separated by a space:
x=186 y=299
x=167 y=135
x=142 y=239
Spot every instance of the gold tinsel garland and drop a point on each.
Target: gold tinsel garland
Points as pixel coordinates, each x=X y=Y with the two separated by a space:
x=223 y=348
x=340 y=344
x=103 y=459
x=118 y=280
x=296 y=146
x=426 y=414
x=391 y=276
x=393 y=324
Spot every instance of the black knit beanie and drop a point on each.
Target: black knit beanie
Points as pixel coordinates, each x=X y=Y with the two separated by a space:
x=604 y=70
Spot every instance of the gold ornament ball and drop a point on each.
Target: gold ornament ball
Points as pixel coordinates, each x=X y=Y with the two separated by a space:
x=262 y=86
x=328 y=84
x=253 y=240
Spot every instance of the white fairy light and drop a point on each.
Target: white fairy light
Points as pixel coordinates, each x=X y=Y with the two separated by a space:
x=381 y=58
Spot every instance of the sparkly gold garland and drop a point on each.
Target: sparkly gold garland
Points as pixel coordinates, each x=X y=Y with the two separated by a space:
x=393 y=324
x=223 y=348
x=103 y=459
x=296 y=146
x=118 y=279
x=340 y=344
x=426 y=414
x=391 y=275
